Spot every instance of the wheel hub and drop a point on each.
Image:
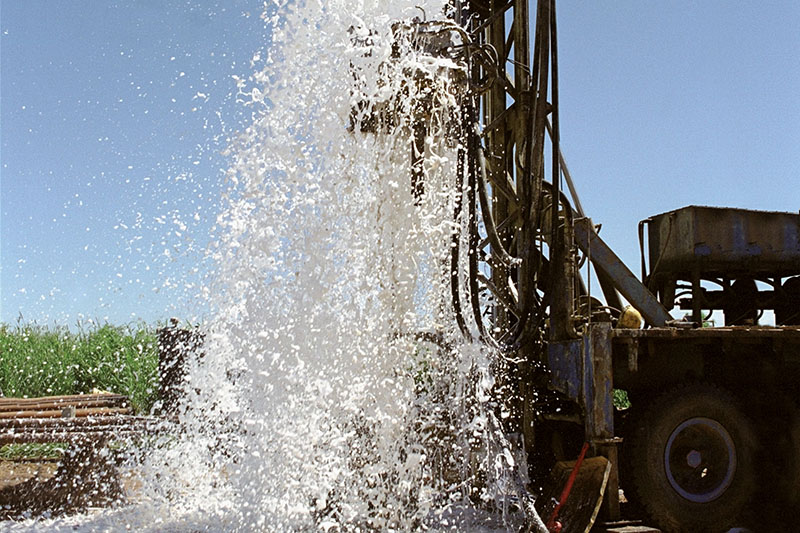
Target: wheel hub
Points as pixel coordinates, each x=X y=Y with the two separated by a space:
x=694 y=458
x=700 y=459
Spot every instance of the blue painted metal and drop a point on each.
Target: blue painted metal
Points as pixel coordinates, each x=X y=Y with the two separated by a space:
x=582 y=370
x=565 y=362
x=606 y=261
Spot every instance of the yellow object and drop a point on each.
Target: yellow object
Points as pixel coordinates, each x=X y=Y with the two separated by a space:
x=630 y=318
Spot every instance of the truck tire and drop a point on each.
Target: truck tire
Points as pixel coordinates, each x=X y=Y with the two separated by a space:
x=693 y=459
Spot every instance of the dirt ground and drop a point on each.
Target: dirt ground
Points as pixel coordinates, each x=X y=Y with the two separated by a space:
x=15 y=472
x=16 y=479
x=77 y=481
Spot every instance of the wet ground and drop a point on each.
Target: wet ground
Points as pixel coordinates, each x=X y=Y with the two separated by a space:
x=35 y=487
x=15 y=472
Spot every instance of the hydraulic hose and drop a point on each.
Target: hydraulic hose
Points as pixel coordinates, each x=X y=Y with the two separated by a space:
x=474 y=237
x=455 y=242
x=498 y=250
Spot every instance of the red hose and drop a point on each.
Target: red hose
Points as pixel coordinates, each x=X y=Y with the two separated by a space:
x=554 y=526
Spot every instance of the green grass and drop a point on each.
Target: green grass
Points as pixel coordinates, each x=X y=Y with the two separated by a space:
x=32 y=451
x=39 y=361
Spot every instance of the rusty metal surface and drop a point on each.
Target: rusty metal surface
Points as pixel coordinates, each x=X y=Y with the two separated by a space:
x=581 y=509
x=78 y=405
x=606 y=261
x=83 y=429
x=582 y=369
x=93 y=418
x=176 y=346
x=786 y=332
x=60 y=413
x=53 y=406
x=727 y=241
x=88 y=400
x=599 y=406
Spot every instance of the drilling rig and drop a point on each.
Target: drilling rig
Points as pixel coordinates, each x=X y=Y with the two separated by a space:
x=709 y=409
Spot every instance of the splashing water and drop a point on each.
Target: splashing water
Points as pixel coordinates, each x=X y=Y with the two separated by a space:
x=335 y=392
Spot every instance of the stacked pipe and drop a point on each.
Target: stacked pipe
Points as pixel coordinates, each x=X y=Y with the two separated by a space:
x=92 y=417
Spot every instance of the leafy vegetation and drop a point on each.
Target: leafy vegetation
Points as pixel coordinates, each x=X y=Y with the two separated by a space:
x=39 y=361
x=32 y=451
x=619 y=399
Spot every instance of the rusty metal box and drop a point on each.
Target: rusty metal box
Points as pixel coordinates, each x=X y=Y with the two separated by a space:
x=724 y=241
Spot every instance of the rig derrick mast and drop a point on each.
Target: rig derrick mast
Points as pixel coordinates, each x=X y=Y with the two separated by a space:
x=710 y=406
x=524 y=284
x=691 y=449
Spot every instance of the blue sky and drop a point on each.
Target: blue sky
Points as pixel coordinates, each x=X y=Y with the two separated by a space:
x=666 y=104
x=113 y=116
x=113 y=119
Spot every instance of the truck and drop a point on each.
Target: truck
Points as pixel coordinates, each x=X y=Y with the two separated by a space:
x=697 y=416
